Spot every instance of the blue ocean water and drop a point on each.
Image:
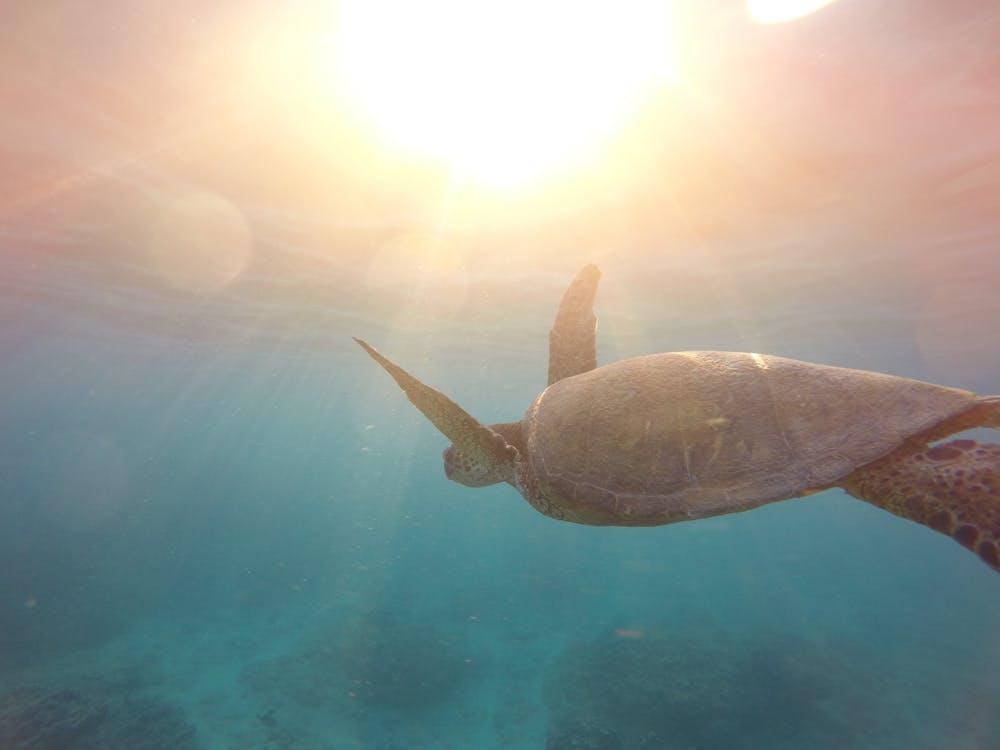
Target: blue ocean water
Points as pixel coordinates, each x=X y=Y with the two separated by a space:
x=223 y=527
x=244 y=538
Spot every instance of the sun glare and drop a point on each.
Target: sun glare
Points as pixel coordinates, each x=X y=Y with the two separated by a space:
x=504 y=92
x=779 y=11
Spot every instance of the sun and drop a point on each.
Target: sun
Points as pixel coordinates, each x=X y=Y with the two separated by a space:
x=503 y=91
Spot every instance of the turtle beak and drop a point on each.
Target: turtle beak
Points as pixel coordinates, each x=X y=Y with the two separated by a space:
x=468 y=435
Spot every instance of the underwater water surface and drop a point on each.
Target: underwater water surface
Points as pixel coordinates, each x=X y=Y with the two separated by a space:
x=223 y=527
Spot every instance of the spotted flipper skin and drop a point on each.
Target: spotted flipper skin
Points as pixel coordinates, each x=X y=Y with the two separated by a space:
x=952 y=487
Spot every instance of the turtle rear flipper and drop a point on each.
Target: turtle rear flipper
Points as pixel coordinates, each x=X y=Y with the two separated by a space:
x=988 y=412
x=573 y=338
x=984 y=412
x=952 y=487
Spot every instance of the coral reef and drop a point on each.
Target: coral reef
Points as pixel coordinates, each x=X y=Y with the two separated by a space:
x=635 y=688
x=671 y=690
x=379 y=659
x=398 y=664
x=583 y=737
x=35 y=718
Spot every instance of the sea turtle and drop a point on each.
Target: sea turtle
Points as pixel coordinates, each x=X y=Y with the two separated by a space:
x=671 y=437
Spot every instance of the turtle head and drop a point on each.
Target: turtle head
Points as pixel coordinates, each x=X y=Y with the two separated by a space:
x=469 y=470
x=480 y=455
x=479 y=469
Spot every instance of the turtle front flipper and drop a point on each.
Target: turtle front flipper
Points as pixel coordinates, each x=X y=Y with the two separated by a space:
x=952 y=487
x=573 y=338
x=480 y=447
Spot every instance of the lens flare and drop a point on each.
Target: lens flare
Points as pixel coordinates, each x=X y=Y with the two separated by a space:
x=199 y=241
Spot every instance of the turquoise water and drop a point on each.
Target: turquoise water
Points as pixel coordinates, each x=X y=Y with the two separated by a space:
x=244 y=539
x=223 y=527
